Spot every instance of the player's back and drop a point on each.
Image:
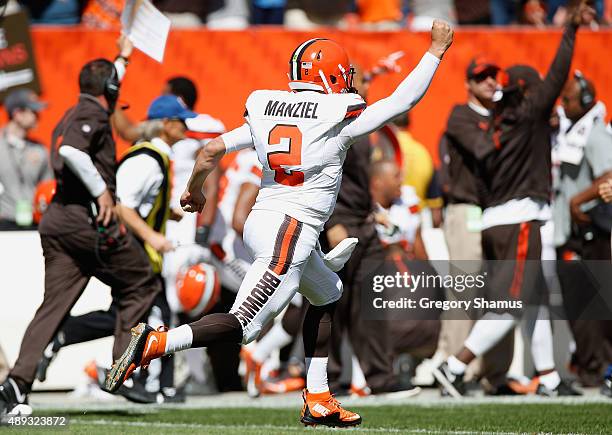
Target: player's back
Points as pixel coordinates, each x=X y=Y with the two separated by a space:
x=296 y=139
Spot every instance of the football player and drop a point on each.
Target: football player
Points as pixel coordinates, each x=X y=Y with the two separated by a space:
x=397 y=216
x=301 y=137
x=238 y=190
x=182 y=232
x=240 y=182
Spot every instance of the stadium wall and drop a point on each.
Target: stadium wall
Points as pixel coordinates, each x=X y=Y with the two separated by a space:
x=228 y=65
x=21 y=288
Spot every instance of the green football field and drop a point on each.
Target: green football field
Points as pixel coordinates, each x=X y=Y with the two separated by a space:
x=566 y=418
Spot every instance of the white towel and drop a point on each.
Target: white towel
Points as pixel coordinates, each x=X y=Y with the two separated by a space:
x=571 y=143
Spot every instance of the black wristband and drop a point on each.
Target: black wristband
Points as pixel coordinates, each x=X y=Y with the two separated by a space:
x=202 y=234
x=125 y=60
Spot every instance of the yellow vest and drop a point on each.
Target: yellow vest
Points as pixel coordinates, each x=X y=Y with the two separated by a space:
x=418 y=168
x=160 y=212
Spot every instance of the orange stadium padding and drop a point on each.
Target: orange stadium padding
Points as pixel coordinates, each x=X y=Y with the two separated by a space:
x=228 y=65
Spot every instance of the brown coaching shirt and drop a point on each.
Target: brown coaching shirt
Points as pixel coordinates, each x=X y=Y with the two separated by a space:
x=521 y=167
x=85 y=127
x=463 y=146
x=354 y=204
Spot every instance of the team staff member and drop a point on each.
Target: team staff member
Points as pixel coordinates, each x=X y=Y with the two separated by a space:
x=518 y=189
x=461 y=148
x=23 y=162
x=144 y=191
x=352 y=217
x=585 y=153
x=398 y=224
x=79 y=233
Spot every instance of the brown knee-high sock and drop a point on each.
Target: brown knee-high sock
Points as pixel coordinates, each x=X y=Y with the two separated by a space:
x=216 y=328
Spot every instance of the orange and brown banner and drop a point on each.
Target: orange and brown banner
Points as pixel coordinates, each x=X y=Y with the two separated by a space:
x=228 y=65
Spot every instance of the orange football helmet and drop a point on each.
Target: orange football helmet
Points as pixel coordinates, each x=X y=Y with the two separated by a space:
x=320 y=65
x=198 y=289
x=42 y=198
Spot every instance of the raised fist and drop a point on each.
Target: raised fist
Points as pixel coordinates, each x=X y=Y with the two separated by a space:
x=441 y=38
x=583 y=14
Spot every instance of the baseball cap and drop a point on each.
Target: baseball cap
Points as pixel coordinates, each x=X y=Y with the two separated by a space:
x=23 y=99
x=169 y=106
x=479 y=65
x=522 y=76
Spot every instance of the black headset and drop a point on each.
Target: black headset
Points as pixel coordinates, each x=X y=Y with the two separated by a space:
x=111 y=88
x=586 y=96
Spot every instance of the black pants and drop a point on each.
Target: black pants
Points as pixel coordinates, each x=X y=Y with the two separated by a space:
x=370 y=339
x=70 y=261
x=582 y=303
x=224 y=356
x=514 y=262
x=416 y=334
x=513 y=253
x=99 y=324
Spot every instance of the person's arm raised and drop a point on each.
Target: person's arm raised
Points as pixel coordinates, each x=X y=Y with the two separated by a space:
x=410 y=91
x=547 y=93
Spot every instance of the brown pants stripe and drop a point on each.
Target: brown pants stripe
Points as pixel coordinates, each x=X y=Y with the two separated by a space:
x=284 y=248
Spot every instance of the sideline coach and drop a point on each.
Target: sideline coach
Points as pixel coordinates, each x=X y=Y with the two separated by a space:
x=79 y=233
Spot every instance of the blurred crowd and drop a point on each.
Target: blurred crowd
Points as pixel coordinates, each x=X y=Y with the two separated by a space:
x=490 y=201
x=416 y=15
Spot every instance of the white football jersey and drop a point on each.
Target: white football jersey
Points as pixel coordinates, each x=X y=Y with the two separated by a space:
x=184 y=152
x=183 y=158
x=301 y=139
x=245 y=168
x=404 y=219
x=296 y=136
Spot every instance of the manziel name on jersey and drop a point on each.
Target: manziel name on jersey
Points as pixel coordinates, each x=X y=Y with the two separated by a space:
x=296 y=110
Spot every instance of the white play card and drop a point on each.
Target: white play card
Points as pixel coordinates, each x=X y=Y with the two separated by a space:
x=146 y=27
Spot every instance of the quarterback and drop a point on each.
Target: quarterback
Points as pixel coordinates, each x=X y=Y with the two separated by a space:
x=301 y=137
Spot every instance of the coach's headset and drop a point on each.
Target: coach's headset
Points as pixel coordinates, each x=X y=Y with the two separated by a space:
x=586 y=96
x=111 y=88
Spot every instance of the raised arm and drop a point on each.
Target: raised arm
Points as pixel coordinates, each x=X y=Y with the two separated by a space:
x=410 y=91
x=193 y=199
x=547 y=93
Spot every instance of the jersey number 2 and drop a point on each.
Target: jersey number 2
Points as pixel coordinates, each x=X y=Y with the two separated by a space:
x=291 y=157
